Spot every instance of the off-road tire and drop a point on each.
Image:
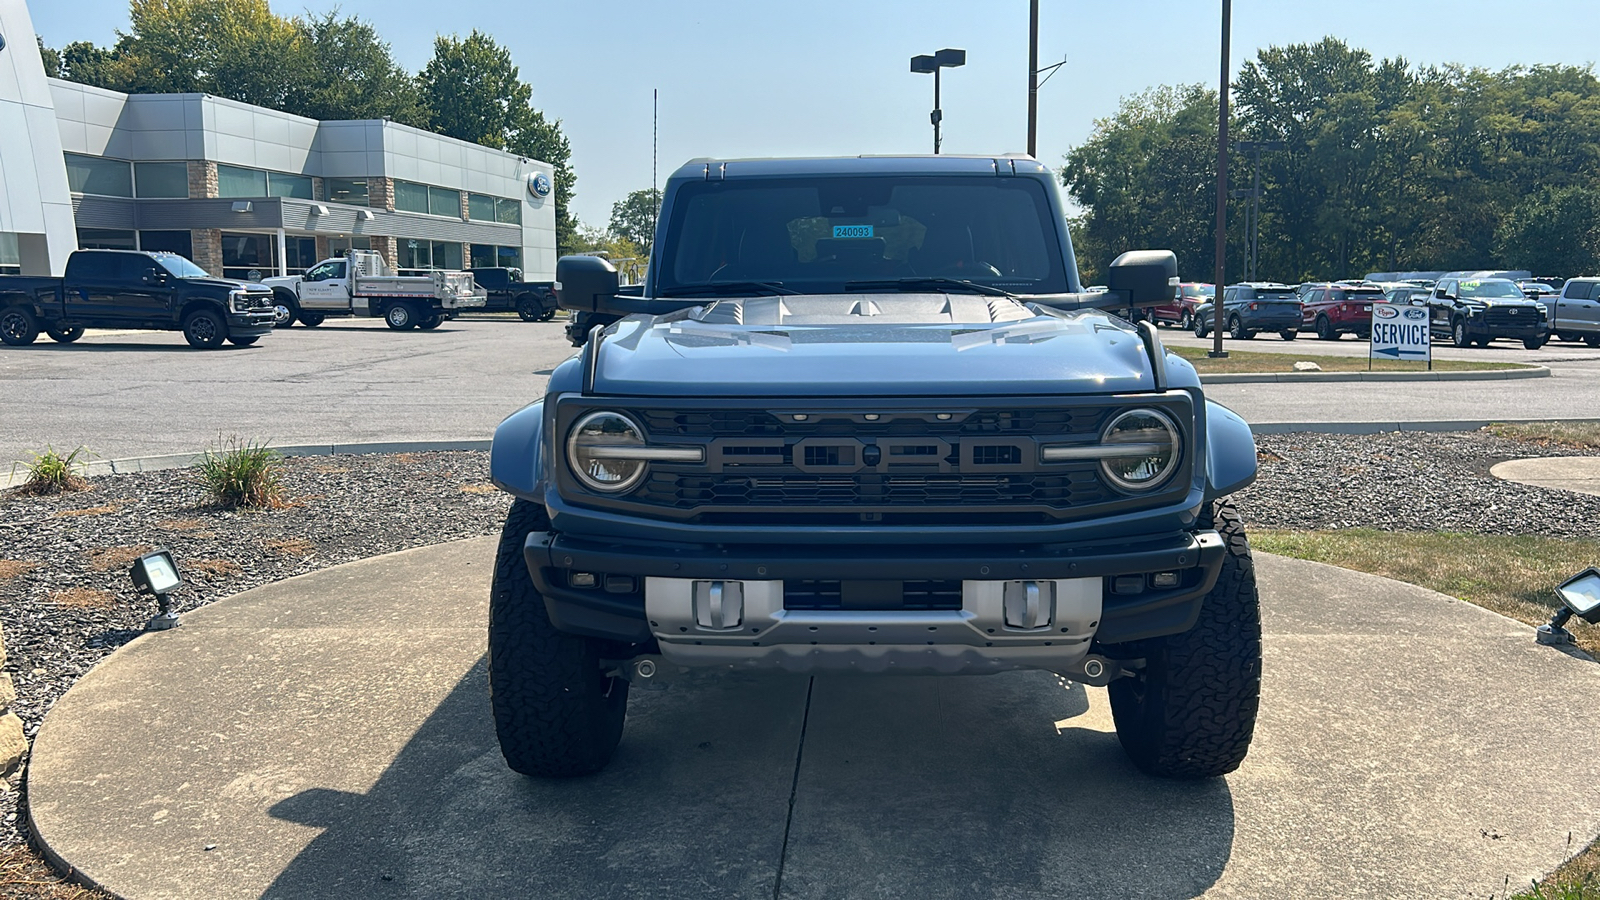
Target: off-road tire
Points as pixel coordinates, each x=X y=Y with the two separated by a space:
x=556 y=713
x=244 y=341
x=204 y=329
x=1533 y=343
x=1458 y=333
x=1191 y=712
x=529 y=309
x=64 y=334
x=19 y=327
x=401 y=317
x=1325 y=329
x=310 y=319
x=1288 y=335
x=285 y=308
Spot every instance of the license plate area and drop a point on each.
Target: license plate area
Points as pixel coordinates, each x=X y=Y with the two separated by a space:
x=822 y=594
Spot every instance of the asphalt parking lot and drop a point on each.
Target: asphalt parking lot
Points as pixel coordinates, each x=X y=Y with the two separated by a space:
x=123 y=394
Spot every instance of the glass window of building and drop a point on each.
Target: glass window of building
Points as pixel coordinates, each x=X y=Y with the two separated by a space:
x=300 y=254
x=296 y=186
x=248 y=256
x=348 y=190
x=162 y=180
x=480 y=208
x=447 y=255
x=483 y=256
x=95 y=175
x=442 y=202
x=179 y=242
x=510 y=256
x=10 y=254
x=415 y=255
x=106 y=239
x=510 y=211
x=410 y=197
x=235 y=181
x=338 y=246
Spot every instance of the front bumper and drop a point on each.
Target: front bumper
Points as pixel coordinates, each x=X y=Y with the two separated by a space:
x=254 y=323
x=1478 y=327
x=646 y=594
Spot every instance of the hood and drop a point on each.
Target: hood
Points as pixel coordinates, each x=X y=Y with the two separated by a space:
x=871 y=344
x=228 y=284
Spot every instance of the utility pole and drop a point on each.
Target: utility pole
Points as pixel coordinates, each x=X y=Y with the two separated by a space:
x=1033 y=78
x=1222 y=189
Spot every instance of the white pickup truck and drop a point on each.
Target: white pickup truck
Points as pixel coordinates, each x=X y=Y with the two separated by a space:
x=361 y=284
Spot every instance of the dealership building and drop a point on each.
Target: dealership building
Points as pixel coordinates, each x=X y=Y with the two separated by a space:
x=245 y=191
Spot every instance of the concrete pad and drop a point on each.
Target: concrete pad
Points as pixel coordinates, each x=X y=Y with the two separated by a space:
x=1578 y=474
x=329 y=736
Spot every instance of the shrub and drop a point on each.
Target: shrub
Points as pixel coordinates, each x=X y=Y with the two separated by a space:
x=243 y=474
x=52 y=473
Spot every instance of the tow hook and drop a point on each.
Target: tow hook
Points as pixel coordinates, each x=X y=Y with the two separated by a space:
x=1099 y=671
x=647 y=672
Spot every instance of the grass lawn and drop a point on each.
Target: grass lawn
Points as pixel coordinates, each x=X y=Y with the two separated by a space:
x=1514 y=576
x=1577 y=435
x=1241 y=361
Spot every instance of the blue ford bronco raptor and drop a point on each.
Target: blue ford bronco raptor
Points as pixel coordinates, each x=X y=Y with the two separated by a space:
x=862 y=418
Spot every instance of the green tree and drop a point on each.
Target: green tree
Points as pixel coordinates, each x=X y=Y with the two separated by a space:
x=51 y=58
x=1555 y=231
x=475 y=92
x=634 y=217
x=350 y=73
x=630 y=259
x=231 y=48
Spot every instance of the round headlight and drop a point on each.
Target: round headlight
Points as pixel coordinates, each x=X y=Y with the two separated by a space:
x=593 y=447
x=1154 y=447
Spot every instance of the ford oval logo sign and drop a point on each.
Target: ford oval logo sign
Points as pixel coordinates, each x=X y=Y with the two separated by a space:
x=1385 y=311
x=539 y=185
x=1416 y=314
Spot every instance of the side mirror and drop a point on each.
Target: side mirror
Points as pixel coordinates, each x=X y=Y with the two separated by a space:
x=155 y=278
x=585 y=283
x=1145 y=277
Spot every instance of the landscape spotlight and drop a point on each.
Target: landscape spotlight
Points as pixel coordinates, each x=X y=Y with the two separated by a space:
x=926 y=65
x=1580 y=596
x=156 y=573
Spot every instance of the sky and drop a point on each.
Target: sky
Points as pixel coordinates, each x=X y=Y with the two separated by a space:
x=831 y=77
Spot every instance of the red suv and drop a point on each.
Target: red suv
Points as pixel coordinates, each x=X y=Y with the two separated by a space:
x=1180 y=311
x=1332 y=310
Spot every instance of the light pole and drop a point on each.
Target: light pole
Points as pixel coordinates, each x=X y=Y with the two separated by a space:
x=1222 y=188
x=923 y=65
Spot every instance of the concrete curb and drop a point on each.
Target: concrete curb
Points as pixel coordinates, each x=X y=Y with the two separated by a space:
x=1302 y=377
x=1386 y=427
x=134 y=464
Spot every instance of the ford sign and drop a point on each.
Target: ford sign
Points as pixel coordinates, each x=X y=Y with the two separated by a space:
x=539 y=185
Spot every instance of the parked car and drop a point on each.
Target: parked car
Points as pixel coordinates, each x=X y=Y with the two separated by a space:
x=1252 y=307
x=1409 y=294
x=534 y=301
x=1332 y=310
x=845 y=459
x=133 y=289
x=1575 y=311
x=1478 y=310
x=1180 y=311
x=361 y=284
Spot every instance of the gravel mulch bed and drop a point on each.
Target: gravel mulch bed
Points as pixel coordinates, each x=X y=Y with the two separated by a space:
x=1409 y=481
x=66 y=603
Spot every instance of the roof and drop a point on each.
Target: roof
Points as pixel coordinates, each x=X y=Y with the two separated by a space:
x=923 y=164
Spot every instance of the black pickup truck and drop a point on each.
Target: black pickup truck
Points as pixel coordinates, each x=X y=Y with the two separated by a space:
x=133 y=289
x=534 y=301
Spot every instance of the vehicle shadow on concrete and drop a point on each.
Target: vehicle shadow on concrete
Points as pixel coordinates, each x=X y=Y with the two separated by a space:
x=906 y=787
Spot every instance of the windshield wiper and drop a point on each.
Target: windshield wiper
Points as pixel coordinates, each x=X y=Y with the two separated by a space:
x=726 y=287
x=925 y=282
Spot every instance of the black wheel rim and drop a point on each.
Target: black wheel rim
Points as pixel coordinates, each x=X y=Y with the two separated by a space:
x=203 y=329
x=14 y=325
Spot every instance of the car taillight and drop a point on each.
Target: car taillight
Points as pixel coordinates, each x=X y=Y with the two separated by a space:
x=1254 y=306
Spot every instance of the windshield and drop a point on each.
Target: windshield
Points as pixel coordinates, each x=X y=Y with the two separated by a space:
x=816 y=235
x=1490 y=289
x=181 y=268
x=1199 y=290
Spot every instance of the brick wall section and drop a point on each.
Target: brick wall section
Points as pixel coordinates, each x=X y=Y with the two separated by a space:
x=389 y=249
x=202 y=179
x=319 y=188
x=324 y=249
x=380 y=194
x=208 y=249
x=13 y=743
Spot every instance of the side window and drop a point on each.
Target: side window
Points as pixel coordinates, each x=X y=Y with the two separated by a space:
x=92 y=267
x=1230 y=294
x=134 y=268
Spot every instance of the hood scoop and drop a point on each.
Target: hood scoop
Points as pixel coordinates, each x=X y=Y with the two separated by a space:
x=874 y=309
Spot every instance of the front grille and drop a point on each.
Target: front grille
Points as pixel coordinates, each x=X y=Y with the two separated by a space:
x=1506 y=317
x=904 y=595
x=842 y=463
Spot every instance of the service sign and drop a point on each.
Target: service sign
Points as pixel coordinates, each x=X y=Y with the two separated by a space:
x=1400 y=331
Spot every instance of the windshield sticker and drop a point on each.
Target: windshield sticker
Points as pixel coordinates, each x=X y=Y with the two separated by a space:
x=852 y=231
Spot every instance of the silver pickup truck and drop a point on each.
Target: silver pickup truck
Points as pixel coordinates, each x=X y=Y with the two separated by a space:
x=361 y=284
x=1575 y=311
